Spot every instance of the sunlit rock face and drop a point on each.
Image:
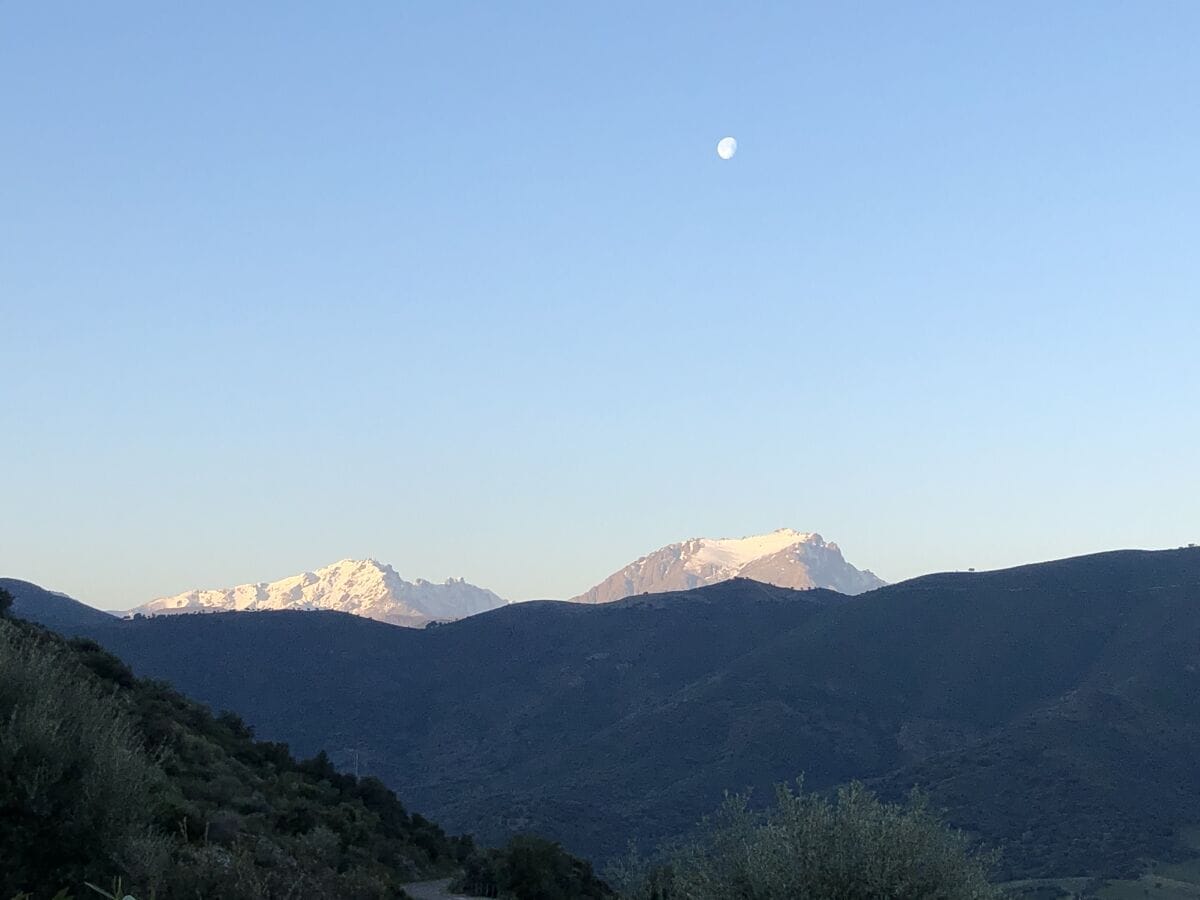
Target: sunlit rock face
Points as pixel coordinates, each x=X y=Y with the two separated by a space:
x=361 y=587
x=786 y=558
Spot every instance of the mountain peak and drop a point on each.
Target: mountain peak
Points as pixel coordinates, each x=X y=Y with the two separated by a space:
x=799 y=535
x=364 y=587
x=784 y=557
x=362 y=565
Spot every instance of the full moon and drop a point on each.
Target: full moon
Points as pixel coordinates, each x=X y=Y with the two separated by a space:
x=726 y=147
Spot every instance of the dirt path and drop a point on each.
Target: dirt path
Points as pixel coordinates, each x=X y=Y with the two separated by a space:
x=433 y=890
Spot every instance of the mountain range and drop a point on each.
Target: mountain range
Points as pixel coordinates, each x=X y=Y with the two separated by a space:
x=374 y=590
x=1052 y=710
x=360 y=587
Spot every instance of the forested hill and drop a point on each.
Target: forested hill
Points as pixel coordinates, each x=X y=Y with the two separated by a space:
x=106 y=776
x=1052 y=709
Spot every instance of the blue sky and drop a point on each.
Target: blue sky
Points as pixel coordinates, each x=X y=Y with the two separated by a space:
x=465 y=287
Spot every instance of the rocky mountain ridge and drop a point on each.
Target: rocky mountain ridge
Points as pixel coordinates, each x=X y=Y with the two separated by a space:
x=365 y=588
x=784 y=558
x=374 y=590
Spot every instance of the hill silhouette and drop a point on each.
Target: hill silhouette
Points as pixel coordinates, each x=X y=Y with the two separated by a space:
x=1052 y=709
x=51 y=609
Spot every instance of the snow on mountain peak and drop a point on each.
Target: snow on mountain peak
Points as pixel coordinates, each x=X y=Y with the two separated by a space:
x=364 y=587
x=370 y=588
x=733 y=554
x=783 y=557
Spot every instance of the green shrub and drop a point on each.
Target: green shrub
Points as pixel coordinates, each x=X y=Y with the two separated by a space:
x=530 y=868
x=804 y=846
x=207 y=812
x=76 y=787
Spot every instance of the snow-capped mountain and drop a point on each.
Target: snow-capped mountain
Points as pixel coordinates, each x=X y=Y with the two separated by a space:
x=786 y=558
x=363 y=587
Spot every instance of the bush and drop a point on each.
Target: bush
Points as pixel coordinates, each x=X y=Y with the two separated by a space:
x=76 y=787
x=804 y=846
x=530 y=868
x=207 y=812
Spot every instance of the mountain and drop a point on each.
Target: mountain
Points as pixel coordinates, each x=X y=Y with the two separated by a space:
x=361 y=587
x=785 y=558
x=1052 y=709
x=52 y=609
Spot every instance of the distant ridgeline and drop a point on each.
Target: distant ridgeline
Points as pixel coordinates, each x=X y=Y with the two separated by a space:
x=1053 y=710
x=374 y=590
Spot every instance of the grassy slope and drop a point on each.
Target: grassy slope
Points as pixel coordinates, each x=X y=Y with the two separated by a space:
x=231 y=816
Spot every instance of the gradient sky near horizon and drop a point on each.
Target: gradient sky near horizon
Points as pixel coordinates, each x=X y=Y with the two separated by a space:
x=464 y=286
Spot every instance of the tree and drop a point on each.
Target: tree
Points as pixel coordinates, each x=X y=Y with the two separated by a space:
x=530 y=868
x=6 y=600
x=851 y=848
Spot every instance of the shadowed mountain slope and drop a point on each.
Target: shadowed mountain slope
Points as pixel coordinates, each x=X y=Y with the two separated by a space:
x=51 y=609
x=1052 y=708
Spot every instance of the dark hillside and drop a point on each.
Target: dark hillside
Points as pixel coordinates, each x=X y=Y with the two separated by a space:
x=1082 y=675
x=56 y=611
x=107 y=776
x=1032 y=695
x=525 y=673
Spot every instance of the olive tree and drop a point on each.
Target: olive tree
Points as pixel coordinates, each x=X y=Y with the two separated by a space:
x=807 y=847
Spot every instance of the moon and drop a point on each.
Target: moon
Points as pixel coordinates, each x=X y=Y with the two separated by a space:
x=726 y=147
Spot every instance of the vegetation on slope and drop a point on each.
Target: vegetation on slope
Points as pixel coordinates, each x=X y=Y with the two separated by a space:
x=530 y=868
x=852 y=847
x=105 y=776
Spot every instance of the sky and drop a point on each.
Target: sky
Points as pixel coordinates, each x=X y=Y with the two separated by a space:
x=464 y=287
